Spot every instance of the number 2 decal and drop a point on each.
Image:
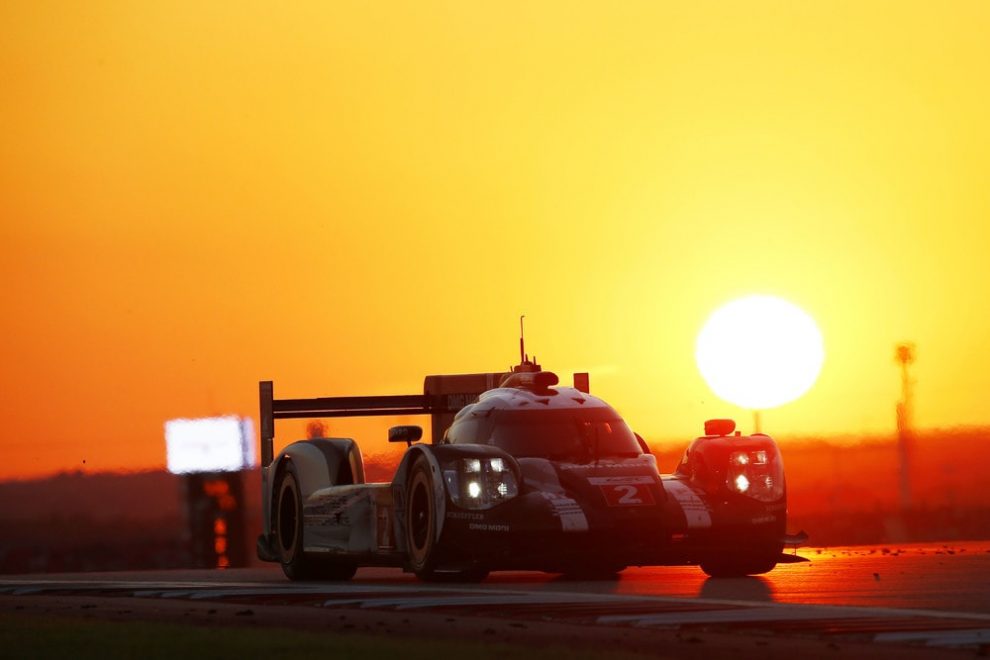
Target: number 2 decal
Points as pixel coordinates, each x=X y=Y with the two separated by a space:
x=629 y=495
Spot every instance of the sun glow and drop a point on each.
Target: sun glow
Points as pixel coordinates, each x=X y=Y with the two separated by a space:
x=760 y=352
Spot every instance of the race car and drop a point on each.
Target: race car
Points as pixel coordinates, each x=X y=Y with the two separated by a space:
x=521 y=474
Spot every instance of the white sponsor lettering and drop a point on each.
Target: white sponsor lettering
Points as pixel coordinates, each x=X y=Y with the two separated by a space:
x=572 y=518
x=488 y=527
x=695 y=510
x=621 y=481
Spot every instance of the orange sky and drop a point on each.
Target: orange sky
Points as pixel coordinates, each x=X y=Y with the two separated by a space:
x=344 y=197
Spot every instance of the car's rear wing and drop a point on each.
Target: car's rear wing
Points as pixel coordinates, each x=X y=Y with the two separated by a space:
x=442 y=397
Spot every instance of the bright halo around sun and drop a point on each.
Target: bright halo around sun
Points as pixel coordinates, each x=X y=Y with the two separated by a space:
x=760 y=352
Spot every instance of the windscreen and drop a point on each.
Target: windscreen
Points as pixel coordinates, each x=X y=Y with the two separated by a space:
x=573 y=434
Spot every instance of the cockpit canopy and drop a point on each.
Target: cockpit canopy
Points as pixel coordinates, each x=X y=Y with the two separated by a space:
x=578 y=434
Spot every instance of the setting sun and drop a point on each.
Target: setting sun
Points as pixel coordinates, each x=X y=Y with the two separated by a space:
x=760 y=352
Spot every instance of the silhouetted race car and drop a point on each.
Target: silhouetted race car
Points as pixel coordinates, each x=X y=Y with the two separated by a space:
x=520 y=475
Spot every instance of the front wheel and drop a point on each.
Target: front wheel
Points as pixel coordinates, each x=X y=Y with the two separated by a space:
x=421 y=520
x=288 y=527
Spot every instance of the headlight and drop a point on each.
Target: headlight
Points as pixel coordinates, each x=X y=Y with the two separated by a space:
x=480 y=483
x=757 y=474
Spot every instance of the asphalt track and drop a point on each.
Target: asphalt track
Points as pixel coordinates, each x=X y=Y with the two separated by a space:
x=930 y=598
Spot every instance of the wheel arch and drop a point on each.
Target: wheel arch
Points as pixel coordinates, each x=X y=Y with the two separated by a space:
x=318 y=464
x=323 y=462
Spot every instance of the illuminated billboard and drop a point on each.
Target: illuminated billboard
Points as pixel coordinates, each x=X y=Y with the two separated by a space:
x=212 y=444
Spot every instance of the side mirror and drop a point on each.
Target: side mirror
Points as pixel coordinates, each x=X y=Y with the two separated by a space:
x=407 y=434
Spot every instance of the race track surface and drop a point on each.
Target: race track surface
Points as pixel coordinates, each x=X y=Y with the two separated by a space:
x=913 y=598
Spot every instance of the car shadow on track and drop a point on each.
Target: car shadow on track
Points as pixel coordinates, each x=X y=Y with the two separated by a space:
x=742 y=588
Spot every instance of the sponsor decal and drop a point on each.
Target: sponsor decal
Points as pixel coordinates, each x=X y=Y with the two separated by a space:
x=570 y=513
x=621 y=481
x=333 y=510
x=455 y=402
x=488 y=527
x=598 y=464
x=464 y=515
x=695 y=510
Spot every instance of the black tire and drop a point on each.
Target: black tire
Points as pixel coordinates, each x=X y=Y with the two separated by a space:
x=753 y=562
x=421 y=530
x=287 y=523
x=421 y=520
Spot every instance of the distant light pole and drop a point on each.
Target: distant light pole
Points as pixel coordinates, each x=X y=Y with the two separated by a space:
x=905 y=356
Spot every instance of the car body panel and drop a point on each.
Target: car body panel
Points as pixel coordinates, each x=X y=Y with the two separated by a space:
x=345 y=519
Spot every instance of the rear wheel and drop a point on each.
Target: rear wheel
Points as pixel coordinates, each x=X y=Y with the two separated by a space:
x=288 y=524
x=421 y=528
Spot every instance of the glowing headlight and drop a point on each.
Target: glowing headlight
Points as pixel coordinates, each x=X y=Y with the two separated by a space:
x=479 y=483
x=757 y=474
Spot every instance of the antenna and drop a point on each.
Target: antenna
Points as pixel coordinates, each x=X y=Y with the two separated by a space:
x=525 y=365
x=522 y=341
